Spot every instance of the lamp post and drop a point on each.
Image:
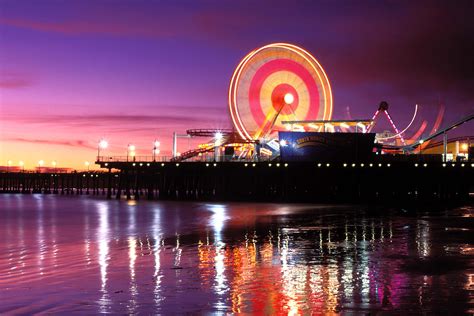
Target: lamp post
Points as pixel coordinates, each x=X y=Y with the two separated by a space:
x=218 y=139
x=156 y=149
x=9 y=164
x=420 y=145
x=54 y=163
x=40 y=164
x=131 y=151
x=22 y=165
x=87 y=164
x=103 y=144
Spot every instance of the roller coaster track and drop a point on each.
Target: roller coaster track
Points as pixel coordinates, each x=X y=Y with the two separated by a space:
x=454 y=139
x=191 y=153
x=229 y=137
x=442 y=131
x=430 y=137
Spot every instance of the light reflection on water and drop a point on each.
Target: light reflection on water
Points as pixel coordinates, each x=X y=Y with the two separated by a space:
x=93 y=256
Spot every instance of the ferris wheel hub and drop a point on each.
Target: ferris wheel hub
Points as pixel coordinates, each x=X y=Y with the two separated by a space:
x=289 y=98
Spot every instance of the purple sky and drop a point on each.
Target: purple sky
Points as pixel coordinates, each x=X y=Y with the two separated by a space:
x=132 y=71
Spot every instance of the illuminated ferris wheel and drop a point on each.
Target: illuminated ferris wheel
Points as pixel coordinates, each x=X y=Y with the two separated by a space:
x=277 y=82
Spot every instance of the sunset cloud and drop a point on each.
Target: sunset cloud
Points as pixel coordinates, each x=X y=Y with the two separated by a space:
x=72 y=143
x=12 y=80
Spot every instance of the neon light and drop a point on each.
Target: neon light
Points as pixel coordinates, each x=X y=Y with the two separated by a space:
x=406 y=128
x=394 y=127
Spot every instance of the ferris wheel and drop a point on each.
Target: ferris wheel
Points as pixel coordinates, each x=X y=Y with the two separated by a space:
x=275 y=83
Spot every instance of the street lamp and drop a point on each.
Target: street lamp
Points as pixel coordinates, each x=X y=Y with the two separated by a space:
x=54 y=163
x=103 y=144
x=9 y=164
x=40 y=164
x=421 y=143
x=87 y=164
x=218 y=139
x=156 y=149
x=22 y=165
x=131 y=151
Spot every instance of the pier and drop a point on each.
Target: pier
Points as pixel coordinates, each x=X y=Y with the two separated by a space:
x=377 y=180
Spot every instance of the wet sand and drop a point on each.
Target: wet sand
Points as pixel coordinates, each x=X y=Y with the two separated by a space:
x=86 y=256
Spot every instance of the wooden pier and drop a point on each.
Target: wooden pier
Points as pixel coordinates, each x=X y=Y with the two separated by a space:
x=257 y=181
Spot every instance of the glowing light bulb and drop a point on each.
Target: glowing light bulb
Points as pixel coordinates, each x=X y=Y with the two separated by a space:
x=218 y=136
x=289 y=98
x=103 y=144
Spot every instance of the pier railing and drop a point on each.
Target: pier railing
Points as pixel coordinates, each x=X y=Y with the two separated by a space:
x=203 y=158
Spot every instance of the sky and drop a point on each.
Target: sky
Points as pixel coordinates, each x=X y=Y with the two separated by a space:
x=73 y=72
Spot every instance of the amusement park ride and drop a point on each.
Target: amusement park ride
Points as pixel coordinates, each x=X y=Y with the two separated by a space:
x=282 y=88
